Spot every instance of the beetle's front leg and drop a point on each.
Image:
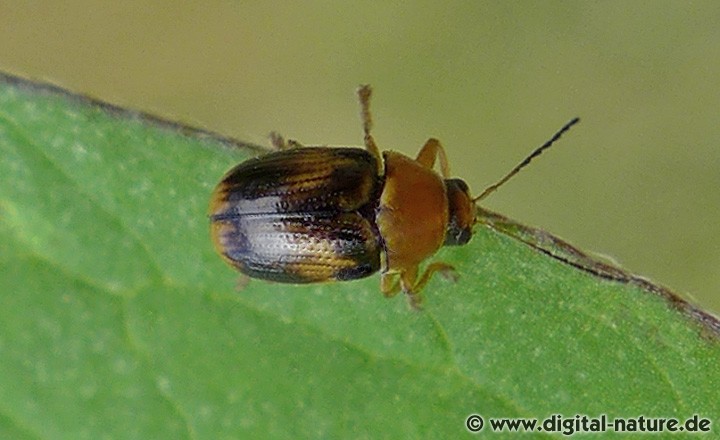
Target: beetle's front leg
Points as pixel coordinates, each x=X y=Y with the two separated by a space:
x=446 y=270
x=432 y=150
x=409 y=287
x=389 y=284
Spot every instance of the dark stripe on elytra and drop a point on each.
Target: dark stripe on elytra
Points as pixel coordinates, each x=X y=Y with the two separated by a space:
x=303 y=180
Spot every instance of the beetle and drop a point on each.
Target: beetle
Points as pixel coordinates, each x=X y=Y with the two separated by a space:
x=315 y=214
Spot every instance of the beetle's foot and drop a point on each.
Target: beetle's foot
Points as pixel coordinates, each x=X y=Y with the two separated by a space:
x=449 y=274
x=389 y=285
x=277 y=141
x=446 y=270
x=292 y=143
x=242 y=282
x=415 y=300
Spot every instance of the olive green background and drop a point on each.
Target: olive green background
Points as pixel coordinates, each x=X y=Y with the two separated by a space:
x=638 y=180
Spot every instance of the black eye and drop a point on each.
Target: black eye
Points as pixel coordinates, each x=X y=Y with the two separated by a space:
x=457 y=236
x=463 y=236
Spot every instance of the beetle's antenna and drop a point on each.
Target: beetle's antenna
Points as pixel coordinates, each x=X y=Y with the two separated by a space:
x=490 y=189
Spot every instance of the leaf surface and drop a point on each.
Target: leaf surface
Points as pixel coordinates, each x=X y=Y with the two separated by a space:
x=120 y=321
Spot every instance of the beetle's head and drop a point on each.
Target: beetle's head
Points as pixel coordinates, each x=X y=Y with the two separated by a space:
x=461 y=206
x=462 y=213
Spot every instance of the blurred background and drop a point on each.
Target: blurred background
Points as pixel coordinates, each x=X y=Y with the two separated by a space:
x=638 y=181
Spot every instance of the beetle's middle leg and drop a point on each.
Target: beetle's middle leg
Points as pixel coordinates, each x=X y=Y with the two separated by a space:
x=390 y=284
x=278 y=142
x=432 y=150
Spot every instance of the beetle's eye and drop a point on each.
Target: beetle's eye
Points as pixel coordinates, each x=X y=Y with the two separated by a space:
x=461 y=213
x=456 y=236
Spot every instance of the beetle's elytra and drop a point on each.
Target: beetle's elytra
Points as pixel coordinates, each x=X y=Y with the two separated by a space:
x=314 y=214
x=300 y=215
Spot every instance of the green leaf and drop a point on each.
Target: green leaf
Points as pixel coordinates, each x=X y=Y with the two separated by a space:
x=120 y=321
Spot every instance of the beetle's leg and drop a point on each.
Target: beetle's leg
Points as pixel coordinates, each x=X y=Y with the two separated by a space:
x=292 y=143
x=445 y=270
x=429 y=152
x=364 y=93
x=408 y=284
x=390 y=284
x=412 y=286
x=242 y=282
x=279 y=143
